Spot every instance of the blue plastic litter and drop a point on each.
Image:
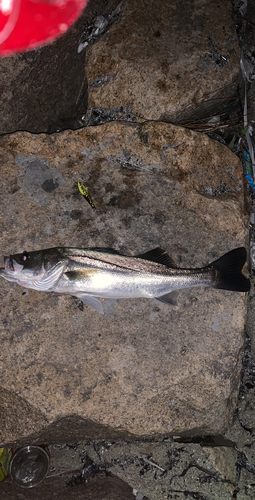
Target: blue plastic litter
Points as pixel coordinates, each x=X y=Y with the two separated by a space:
x=248 y=169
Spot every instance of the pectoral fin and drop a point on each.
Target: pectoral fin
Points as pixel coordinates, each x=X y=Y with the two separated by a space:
x=91 y=301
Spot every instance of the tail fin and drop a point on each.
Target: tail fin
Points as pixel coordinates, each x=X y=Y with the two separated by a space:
x=228 y=271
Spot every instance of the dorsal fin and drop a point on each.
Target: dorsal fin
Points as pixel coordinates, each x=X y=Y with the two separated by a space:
x=159 y=256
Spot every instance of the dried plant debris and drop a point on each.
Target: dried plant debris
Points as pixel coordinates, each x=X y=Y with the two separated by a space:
x=97 y=27
x=90 y=470
x=219 y=59
x=95 y=116
x=230 y=118
x=98 y=116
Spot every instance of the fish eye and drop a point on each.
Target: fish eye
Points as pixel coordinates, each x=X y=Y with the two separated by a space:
x=25 y=256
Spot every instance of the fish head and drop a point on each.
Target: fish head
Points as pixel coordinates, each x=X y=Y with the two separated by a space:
x=28 y=268
x=23 y=266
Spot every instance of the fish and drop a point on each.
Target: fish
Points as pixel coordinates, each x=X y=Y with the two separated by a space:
x=83 y=190
x=93 y=273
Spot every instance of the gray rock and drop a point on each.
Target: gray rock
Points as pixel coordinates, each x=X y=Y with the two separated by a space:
x=164 y=60
x=144 y=368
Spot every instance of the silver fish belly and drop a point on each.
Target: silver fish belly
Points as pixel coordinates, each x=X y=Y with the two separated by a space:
x=91 y=273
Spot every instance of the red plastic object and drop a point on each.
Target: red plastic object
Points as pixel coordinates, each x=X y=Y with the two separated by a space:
x=27 y=24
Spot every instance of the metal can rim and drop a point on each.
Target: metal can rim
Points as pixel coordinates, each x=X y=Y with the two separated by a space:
x=28 y=449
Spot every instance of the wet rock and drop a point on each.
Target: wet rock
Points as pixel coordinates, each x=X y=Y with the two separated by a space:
x=144 y=368
x=165 y=60
x=46 y=89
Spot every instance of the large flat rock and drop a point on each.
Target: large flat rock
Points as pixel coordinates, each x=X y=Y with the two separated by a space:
x=144 y=368
x=165 y=60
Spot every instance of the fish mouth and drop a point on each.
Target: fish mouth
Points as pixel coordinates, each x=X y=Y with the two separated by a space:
x=11 y=265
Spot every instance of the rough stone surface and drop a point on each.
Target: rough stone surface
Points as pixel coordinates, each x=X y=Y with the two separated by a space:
x=55 y=488
x=144 y=368
x=164 y=60
x=47 y=88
